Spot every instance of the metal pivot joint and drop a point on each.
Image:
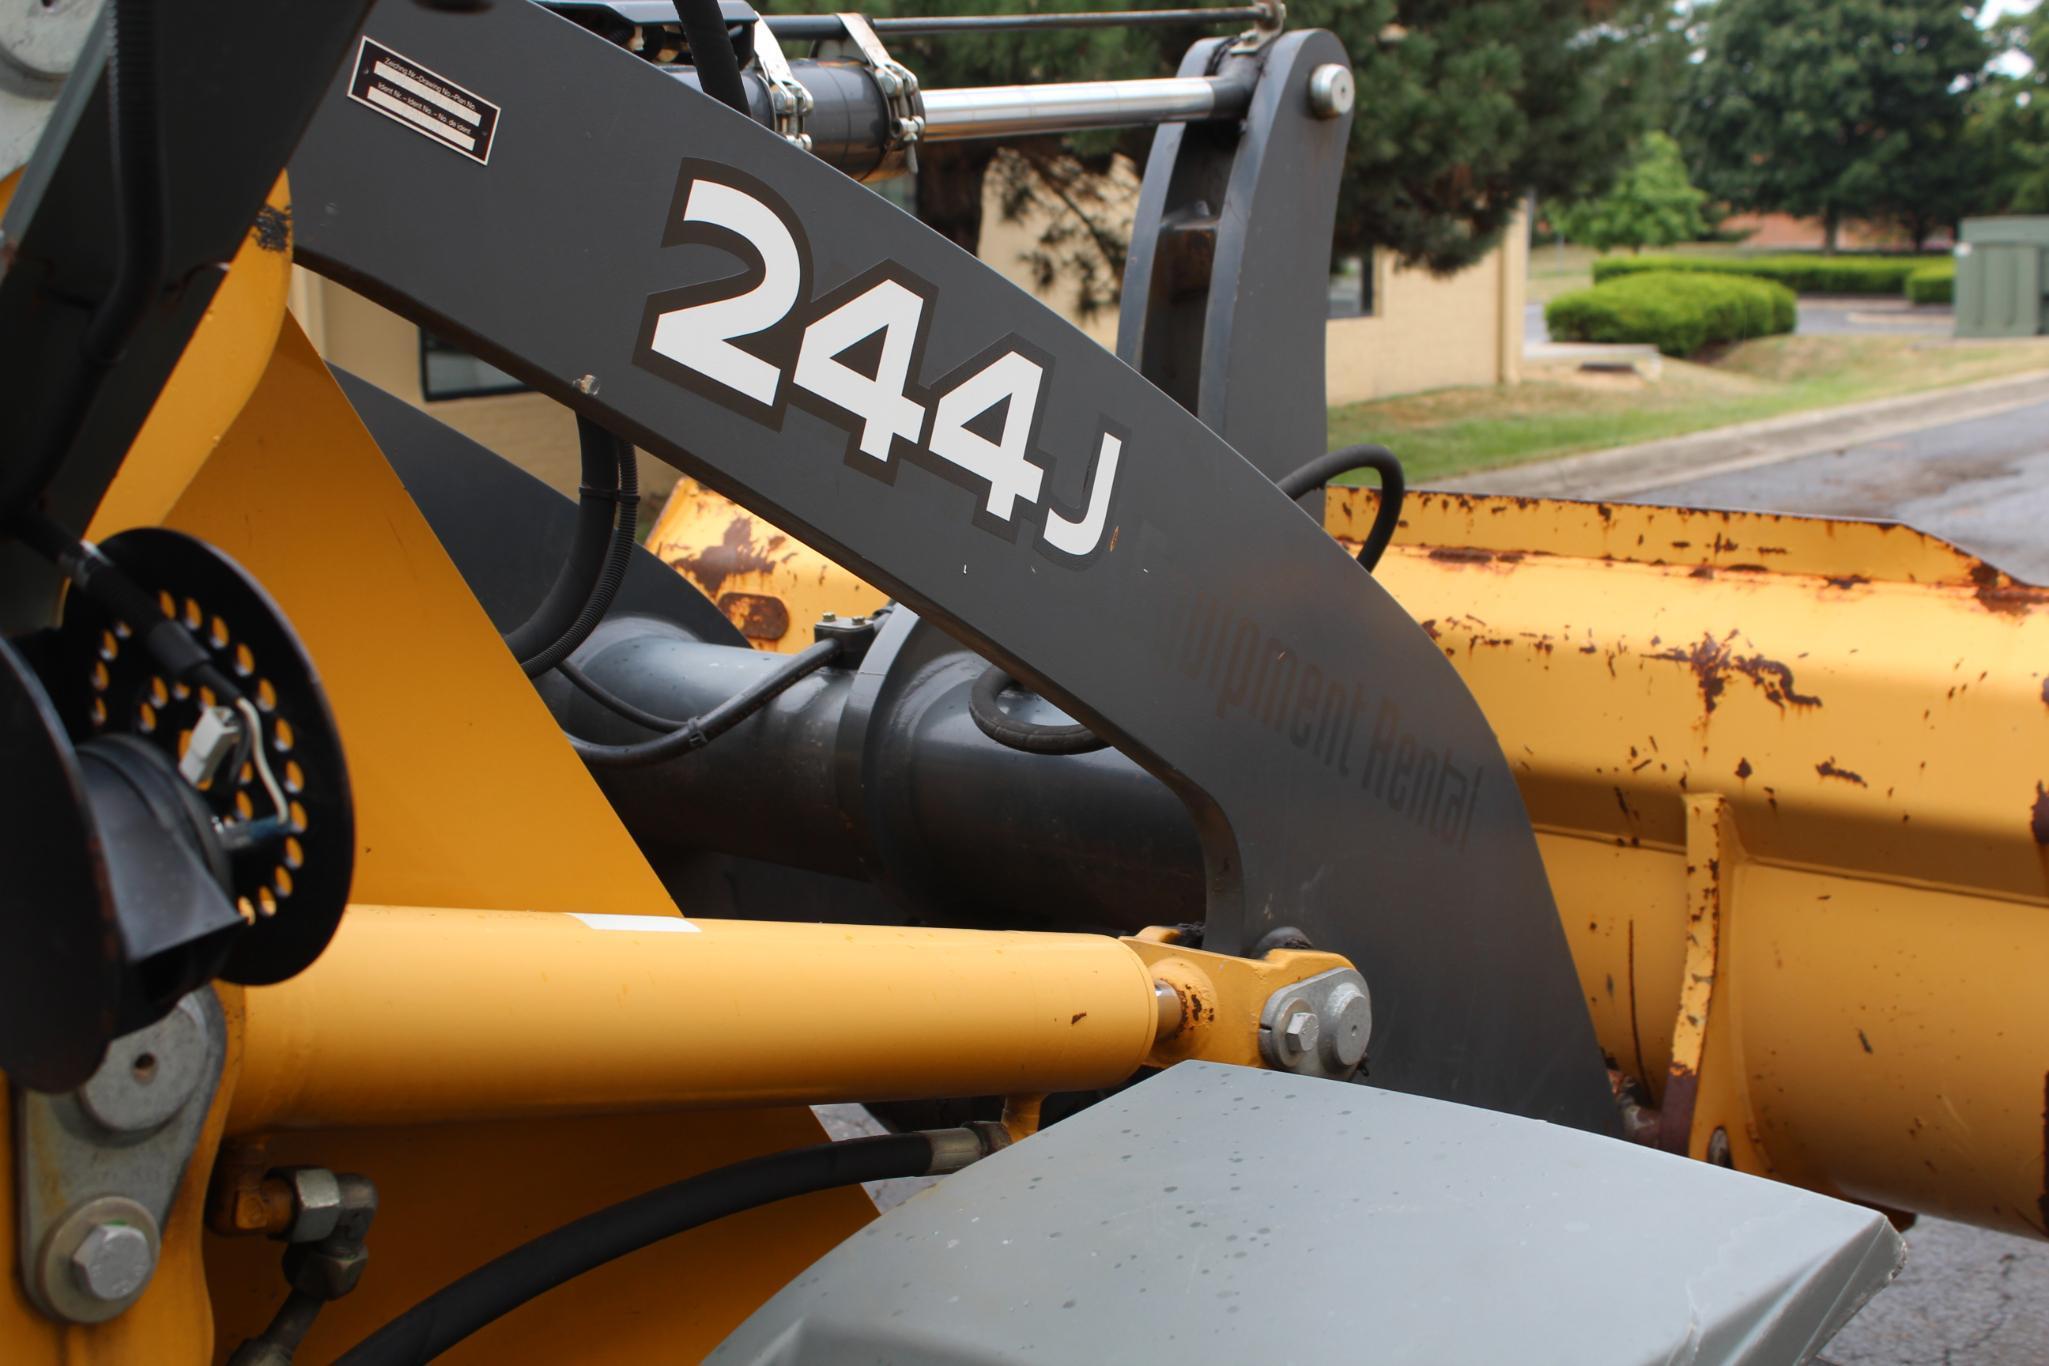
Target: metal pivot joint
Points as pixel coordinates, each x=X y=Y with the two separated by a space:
x=1318 y=1027
x=98 y=1168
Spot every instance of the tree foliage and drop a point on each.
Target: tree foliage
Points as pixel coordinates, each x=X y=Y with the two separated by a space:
x=2009 y=134
x=1468 y=106
x=1850 y=109
x=1465 y=107
x=1651 y=204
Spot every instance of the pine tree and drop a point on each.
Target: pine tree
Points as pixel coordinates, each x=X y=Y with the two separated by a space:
x=1652 y=204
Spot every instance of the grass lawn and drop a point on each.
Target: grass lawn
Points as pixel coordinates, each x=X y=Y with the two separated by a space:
x=1561 y=410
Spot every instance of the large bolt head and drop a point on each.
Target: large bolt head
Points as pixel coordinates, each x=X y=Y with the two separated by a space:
x=113 y=1262
x=1331 y=91
x=1302 y=1031
x=1348 y=1017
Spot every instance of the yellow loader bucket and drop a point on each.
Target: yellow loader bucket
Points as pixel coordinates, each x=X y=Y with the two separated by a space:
x=1790 y=777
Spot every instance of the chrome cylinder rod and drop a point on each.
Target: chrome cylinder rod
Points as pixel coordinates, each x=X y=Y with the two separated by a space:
x=798 y=27
x=1019 y=110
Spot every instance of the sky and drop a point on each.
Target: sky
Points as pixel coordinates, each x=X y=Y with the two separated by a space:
x=2013 y=63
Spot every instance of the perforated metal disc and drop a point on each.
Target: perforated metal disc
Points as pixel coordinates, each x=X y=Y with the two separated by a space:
x=292 y=894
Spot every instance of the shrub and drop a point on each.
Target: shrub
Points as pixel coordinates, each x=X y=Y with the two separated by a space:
x=1801 y=274
x=1934 y=284
x=1675 y=311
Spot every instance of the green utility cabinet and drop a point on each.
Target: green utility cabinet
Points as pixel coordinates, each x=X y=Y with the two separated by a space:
x=2002 y=267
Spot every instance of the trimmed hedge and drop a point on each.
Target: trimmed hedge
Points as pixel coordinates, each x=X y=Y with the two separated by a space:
x=1801 y=274
x=1678 y=312
x=1934 y=284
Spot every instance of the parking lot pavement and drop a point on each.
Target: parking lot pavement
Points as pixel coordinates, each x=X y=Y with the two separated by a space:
x=1982 y=483
x=1966 y=1298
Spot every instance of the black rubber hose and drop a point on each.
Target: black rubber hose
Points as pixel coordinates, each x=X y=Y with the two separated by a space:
x=598 y=556
x=176 y=650
x=711 y=52
x=700 y=731
x=136 y=139
x=987 y=713
x=1379 y=459
x=498 y=1287
x=617 y=705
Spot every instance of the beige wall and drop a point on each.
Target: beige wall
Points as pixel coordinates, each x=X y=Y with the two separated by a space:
x=1432 y=332
x=1426 y=333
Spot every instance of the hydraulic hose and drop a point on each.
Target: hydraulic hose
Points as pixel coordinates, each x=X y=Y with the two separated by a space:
x=711 y=52
x=500 y=1286
x=1027 y=736
x=596 y=565
x=614 y=703
x=1379 y=459
x=176 y=650
x=700 y=731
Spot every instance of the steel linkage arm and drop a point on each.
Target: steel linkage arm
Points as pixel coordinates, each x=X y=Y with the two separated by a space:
x=1004 y=476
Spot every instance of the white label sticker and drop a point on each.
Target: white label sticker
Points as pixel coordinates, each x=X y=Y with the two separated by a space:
x=406 y=92
x=638 y=924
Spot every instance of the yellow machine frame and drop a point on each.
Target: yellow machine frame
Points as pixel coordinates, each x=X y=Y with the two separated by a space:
x=515 y=993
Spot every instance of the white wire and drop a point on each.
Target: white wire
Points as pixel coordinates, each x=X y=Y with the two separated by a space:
x=262 y=760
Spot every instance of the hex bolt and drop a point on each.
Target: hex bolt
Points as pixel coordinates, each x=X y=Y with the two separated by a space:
x=1301 y=1031
x=1331 y=91
x=113 y=1262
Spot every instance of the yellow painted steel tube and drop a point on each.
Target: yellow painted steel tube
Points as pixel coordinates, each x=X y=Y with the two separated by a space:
x=426 y=1015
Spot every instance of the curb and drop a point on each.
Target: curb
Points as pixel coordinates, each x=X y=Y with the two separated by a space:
x=1625 y=470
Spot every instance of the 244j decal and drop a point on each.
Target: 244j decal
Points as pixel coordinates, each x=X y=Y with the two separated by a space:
x=976 y=424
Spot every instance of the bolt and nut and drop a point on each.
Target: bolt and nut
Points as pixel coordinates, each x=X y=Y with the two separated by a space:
x=112 y=1262
x=1319 y=1026
x=96 y=1259
x=1301 y=1031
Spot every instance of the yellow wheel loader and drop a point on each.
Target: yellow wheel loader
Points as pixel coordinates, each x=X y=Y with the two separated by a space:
x=1278 y=922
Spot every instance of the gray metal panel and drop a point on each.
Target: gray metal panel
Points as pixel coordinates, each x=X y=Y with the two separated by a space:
x=1220 y=1214
x=1999 y=290
x=2008 y=228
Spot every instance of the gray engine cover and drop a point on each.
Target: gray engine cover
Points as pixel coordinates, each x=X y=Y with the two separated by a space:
x=1221 y=1214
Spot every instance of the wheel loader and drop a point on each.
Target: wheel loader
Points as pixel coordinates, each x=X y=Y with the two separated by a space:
x=1277 y=920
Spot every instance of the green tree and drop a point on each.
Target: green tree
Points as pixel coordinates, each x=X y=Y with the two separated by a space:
x=1849 y=109
x=1652 y=203
x=1465 y=107
x=2009 y=131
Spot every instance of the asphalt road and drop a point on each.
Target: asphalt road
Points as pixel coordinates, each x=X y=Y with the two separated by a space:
x=1983 y=484
x=1967 y=1297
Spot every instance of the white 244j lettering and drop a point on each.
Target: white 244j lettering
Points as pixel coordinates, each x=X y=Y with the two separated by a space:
x=700 y=338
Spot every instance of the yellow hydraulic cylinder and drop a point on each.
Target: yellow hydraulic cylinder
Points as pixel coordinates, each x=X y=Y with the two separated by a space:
x=425 y=1016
